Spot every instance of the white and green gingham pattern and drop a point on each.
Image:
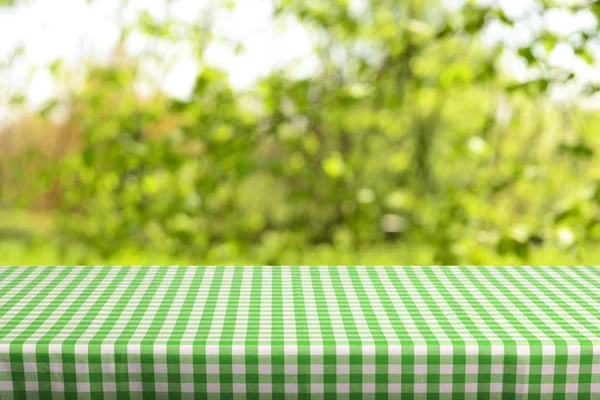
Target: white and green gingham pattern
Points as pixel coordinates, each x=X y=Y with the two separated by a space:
x=299 y=332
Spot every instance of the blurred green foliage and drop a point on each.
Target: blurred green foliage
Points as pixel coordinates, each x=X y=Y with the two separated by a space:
x=409 y=145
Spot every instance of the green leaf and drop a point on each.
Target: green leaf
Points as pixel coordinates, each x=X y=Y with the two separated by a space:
x=566 y=214
x=533 y=87
x=229 y=4
x=508 y=245
x=584 y=54
x=48 y=107
x=590 y=89
x=577 y=150
x=474 y=18
x=18 y=99
x=549 y=41
x=527 y=53
x=56 y=66
x=501 y=15
x=151 y=27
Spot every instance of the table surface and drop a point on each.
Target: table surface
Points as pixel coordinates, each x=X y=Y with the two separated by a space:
x=329 y=331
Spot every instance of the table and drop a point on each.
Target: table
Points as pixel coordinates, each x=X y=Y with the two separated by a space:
x=287 y=332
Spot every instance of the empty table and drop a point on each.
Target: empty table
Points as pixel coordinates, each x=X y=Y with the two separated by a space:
x=290 y=332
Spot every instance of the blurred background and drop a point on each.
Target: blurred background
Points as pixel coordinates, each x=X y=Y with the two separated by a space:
x=299 y=132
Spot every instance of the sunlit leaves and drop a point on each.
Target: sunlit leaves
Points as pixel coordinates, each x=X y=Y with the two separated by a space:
x=394 y=137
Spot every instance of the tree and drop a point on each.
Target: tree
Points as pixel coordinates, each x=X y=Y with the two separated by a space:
x=409 y=132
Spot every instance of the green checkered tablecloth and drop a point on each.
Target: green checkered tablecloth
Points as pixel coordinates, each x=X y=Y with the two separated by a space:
x=298 y=332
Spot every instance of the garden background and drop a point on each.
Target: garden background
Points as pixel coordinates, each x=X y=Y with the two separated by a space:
x=299 y=132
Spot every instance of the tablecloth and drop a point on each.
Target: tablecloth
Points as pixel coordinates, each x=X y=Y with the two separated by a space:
x=298 y=332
